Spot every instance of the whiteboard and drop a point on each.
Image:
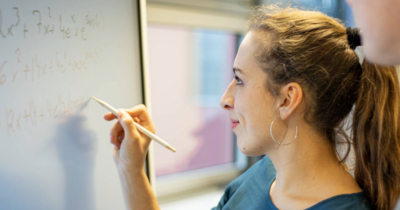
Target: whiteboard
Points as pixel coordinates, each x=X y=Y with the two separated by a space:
x=55 y=151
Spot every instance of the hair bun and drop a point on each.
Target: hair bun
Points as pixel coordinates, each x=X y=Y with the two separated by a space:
x=353 y=36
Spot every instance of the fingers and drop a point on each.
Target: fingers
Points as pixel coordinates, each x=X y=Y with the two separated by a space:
x=115 y=132
x=131 y=134
x=143 y=115
x=139 y=111
x=109 y=116
x=127 y=124
x=116 y=153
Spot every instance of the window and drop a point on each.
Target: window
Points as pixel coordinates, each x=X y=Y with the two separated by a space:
x=189 y=72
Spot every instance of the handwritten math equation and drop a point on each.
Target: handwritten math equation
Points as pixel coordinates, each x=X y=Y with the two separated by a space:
x=13 y=120
x=37 y=68
x=48 y=24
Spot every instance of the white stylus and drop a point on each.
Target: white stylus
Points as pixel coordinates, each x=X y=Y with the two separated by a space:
x=139 y=127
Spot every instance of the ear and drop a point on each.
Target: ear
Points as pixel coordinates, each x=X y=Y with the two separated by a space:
x=292 y=96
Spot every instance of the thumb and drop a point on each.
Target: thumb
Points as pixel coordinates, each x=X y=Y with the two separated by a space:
x=127 y=123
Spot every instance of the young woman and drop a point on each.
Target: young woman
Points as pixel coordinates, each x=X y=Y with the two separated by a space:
x=297 y=78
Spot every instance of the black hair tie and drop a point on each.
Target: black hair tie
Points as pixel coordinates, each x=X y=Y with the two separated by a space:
x=353 y=36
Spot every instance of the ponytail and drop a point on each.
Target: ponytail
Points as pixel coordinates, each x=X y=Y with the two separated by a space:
x=376 y=135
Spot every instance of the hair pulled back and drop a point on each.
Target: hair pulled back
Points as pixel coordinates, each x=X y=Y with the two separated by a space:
x=311 y=49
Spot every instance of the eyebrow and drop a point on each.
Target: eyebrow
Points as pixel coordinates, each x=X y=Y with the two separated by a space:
x=237 y=69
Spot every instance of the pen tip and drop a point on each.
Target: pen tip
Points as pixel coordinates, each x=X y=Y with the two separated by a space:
x=171 y=148
x=101 y=102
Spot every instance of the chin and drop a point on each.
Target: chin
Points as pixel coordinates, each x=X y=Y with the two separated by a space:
x=382 y=55
x=251 y=153
x=250 y=150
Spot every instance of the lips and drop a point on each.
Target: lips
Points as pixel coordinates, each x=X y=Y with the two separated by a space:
x=234 y=123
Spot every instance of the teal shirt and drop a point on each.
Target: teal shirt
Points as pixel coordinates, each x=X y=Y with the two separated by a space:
x=251 y=191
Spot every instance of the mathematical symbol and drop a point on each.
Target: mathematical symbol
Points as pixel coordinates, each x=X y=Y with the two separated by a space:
x=1 y=21
x=9 y=121
x=18 y=125
x=10 y=30
x=18 y=51
x=41 y=116
x=55 y=108
x=3 y=77
x=83 y=30
x=26 y=70
x=32 y=68
x=46 y=29
x=25 y=30
x=44 y=69
x=61 y=102
x=38 y=65
x=61 y=66
x=16 y=8
x=14 y=75
x=52 y=30
x=40 y=18
x=51 y=67
x=26 y=116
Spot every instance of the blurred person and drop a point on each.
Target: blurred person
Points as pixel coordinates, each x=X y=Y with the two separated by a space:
x=77 y=146
x=25 y=187
x=297 y=78
x=379 y=21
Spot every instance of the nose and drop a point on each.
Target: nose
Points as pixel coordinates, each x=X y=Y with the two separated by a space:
x=227 y=99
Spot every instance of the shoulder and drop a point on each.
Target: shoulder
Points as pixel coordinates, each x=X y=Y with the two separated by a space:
x=356 y=201
x=250 y=188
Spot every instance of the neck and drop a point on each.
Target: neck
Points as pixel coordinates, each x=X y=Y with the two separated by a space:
x=304 y=164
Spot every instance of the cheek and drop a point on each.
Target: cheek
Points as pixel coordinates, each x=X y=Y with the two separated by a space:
x=350 y=2
x=246 y=116
x=255 y=115
x=361 y=18
x=377 y=27
x=253 y=107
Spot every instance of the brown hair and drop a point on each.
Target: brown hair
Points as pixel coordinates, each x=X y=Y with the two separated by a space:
x=311 y=49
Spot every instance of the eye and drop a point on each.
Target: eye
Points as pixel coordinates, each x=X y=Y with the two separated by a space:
x=240 y=82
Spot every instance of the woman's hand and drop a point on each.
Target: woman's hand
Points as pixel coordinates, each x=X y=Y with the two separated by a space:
x=130 y=154
x=130 y=145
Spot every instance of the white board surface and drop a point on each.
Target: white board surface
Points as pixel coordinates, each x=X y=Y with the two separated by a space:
x=55 y=151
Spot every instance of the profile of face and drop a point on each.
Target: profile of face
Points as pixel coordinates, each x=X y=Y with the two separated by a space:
x=379 y=22
x=252 y=107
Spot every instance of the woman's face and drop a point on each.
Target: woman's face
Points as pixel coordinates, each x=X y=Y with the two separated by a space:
x=250 y=104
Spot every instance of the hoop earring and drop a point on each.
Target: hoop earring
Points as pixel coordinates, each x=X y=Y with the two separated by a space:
x=270 y=130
